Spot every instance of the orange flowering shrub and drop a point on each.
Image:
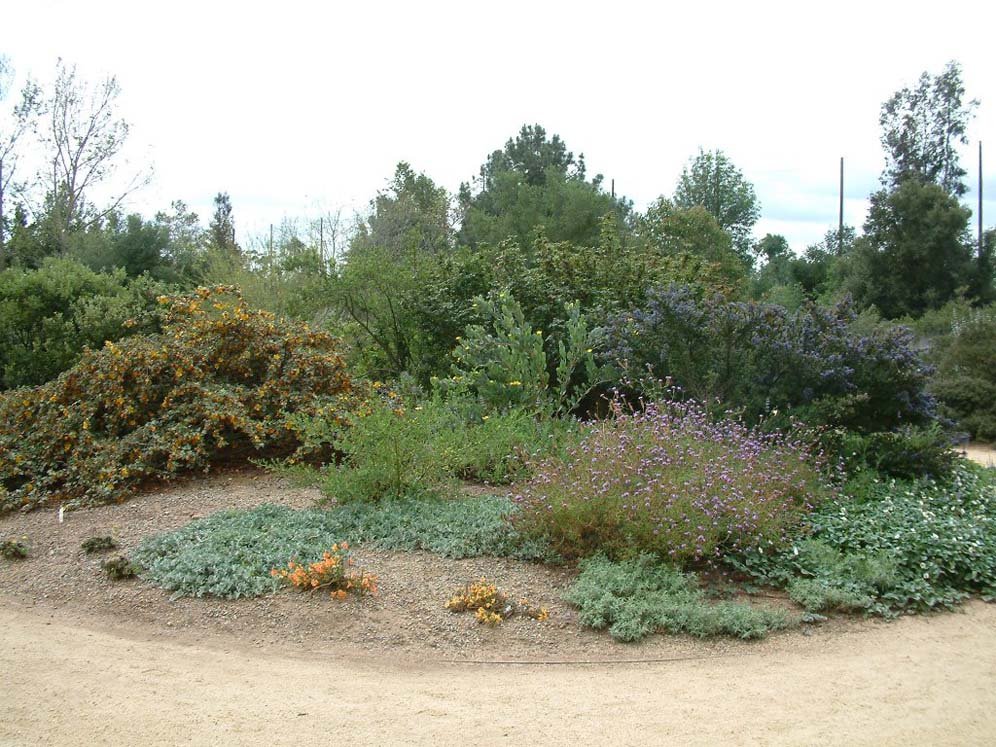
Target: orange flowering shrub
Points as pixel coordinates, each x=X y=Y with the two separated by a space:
x=328 y=573
x=221 y=381
x=491 y=606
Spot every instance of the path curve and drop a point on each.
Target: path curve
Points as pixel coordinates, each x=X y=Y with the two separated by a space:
x=920 y=680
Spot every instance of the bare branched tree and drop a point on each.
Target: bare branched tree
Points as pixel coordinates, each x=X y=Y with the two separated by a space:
x=85 y=139
x=14 y=124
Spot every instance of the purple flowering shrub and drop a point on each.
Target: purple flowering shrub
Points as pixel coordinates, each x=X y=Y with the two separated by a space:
x=816 y=364
x=670 y=481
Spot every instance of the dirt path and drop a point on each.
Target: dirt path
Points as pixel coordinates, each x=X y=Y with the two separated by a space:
x=923 y=680
x=984 y=454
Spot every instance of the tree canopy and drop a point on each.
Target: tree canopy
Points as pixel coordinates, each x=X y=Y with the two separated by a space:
x=534 y=182
x=710 y=180
x=921 y=129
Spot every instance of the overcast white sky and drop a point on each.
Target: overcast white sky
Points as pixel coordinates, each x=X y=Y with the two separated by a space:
x=295 y=108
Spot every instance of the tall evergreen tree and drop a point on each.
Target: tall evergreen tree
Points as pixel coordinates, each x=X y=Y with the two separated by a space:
x=921 y=129
x=535 y=182
x=712 y=181
x=222 y=227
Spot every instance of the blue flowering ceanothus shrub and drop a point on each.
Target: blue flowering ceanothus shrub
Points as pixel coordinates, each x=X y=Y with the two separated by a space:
x=815 y=364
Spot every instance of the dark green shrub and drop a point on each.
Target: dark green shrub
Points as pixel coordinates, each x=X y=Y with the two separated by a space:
x=98 y=544
x=966 y=377
x=824 y=366
x=217 y=383
x=908 y=452
x=49 y=315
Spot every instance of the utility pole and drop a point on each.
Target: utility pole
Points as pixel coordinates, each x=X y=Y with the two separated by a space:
x=321 y=242
x=613 y=189
x=3 y=259
x=980 y=200
x=840 y=225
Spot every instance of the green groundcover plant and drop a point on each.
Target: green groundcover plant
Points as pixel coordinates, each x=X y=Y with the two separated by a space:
x=890 y=547
x=636 y=597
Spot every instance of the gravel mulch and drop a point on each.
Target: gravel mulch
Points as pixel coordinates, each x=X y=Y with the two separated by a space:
x=407 y=618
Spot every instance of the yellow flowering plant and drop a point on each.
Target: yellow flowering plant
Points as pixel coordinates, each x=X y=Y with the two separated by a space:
x=217 y=384
x=490 y=605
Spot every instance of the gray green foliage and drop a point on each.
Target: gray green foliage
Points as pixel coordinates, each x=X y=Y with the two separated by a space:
x=638 y=597
x=230 y=554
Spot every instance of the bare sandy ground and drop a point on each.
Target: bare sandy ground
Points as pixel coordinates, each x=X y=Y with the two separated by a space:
x=928 y=680
x=984 y=454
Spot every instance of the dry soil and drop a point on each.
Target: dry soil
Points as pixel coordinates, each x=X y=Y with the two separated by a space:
x=87 y=661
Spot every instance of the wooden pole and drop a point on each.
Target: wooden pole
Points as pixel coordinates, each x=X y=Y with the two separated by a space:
x=2 y=258
x=840 y=224
x=980 y=200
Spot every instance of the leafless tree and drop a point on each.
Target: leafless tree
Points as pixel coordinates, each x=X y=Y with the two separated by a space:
x=15 y=123
x=85 y=138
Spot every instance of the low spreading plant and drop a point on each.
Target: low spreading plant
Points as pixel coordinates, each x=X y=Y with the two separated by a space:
x=672 y=482
x=14 y=549
x=640 y=596
x=120 y=568
x=330 y=572
x=230 y=554
x=490 y=605
x=894 y=546
x=218 y=383
x=98 y=544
